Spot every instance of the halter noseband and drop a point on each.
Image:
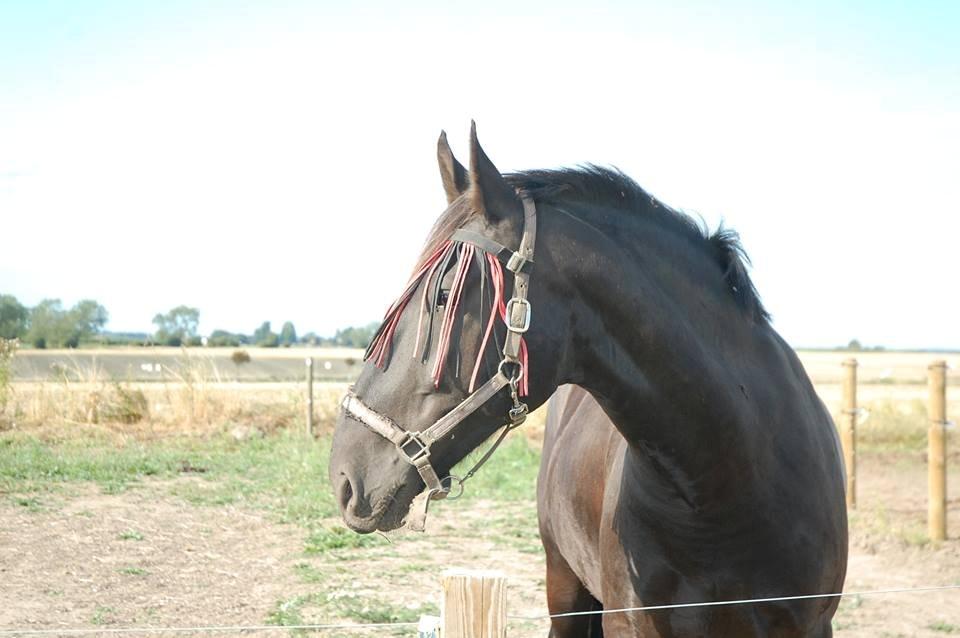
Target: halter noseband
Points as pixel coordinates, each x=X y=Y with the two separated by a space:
x=414 y=446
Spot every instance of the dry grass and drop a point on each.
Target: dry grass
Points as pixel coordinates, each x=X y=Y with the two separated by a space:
x=198 y=400
x=195 y=402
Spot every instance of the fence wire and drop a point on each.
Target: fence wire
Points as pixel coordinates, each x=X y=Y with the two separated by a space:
x=197 y=630
x=744 y=601
x=323 y=627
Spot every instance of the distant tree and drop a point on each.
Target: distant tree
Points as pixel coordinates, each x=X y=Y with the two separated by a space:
x=224 y=339
x=49 y=325
x=311 y=339
x=356 y=336
x=88 y=318
x=288 y=334
x=14 y=318
x=854 y=346
x=177 y=326
x=265 y=337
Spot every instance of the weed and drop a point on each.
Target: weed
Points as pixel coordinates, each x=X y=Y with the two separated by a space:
x=944 y=627
x=133 y=571
x=130 y=535
x=101 y=615
x=308 y=573
x=30 y=502
x=333 y=537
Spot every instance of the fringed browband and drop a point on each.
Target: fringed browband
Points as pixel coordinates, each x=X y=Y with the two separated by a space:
x=461 y=255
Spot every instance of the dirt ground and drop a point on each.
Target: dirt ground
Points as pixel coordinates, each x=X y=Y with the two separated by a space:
x=144 y=558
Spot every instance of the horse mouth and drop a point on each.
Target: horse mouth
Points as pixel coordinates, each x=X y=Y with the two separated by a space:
x=389 y=513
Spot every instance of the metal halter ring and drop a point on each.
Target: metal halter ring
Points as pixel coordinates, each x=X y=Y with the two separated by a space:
x=513 y=380
x=454 y=479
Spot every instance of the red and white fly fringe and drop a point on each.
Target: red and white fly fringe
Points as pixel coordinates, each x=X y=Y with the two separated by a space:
x=462 y=257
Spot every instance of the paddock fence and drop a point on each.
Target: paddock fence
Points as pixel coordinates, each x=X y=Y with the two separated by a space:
x=938 y=424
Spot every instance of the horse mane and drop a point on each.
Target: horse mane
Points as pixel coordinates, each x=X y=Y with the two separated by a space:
x=610 y=187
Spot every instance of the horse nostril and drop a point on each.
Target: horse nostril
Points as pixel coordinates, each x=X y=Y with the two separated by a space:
x=346 y=493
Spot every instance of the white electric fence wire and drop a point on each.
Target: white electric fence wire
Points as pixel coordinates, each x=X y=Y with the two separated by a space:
x=195 y=630
x=745 y=601
x=321 y=627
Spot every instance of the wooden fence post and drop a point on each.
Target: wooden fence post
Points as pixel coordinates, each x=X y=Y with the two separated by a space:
x=474 y=604
x=309 y=362
x=848 y=429
x=937 y=452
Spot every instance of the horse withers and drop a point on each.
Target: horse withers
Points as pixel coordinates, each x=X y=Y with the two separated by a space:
x=687 y=457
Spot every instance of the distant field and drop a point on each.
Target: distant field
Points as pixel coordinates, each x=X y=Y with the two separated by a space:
x=895 y=368
x=172 y=364
x=344 y=364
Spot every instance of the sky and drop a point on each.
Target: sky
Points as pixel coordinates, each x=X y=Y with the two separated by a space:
x=276 y=160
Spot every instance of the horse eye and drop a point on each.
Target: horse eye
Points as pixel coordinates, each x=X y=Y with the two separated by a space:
x=442 y=299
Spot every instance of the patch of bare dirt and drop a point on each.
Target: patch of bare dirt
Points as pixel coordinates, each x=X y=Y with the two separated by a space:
x=138 y=559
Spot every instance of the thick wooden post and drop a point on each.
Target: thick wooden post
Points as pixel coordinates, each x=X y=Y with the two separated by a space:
x=937 y=452
x=474 y=604
x=848 y=429
x=309 y=362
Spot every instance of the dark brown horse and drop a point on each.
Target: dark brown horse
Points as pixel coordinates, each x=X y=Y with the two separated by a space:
x=687 y=457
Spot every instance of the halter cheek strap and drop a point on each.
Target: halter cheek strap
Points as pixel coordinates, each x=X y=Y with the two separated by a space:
x=414 y=446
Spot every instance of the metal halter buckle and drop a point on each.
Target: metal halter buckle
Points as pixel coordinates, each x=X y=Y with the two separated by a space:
x=516 y=262
x=523 y=303
x=518 y=414
x=422 y=451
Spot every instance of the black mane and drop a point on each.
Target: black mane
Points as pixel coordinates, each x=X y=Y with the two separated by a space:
x=610 y=187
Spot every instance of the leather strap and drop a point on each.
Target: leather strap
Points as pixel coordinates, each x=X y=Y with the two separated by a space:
x=495 y=248
x=467 y=407
x=518 y=308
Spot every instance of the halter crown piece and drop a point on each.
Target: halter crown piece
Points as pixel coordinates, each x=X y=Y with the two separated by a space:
x=414 y=446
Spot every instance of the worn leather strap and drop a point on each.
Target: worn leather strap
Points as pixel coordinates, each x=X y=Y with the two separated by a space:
x=495 y=248
x=382 y=425
x=518 y=311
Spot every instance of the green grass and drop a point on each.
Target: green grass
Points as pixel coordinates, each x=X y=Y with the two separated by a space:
x=101 y=615
x=31 y=503
x=133 y=571
x=285 y=473
x=361 y=609
x=130 y=535
x=944 y=627
x=328 y=538
x=510 y=475
x=309 y=574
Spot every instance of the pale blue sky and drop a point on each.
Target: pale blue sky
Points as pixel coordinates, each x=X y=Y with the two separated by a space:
x=250 y=158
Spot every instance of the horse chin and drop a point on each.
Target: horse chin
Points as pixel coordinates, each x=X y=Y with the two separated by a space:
x=395 y=514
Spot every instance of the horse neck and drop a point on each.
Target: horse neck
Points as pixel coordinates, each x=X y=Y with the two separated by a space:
x=661 y=342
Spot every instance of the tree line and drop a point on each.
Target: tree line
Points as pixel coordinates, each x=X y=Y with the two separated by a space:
x=51 y=325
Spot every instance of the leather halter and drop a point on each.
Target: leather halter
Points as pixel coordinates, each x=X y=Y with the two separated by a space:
x=414 y=446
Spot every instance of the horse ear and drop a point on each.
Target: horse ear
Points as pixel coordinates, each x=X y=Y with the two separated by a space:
x=452 y=172
x=489 y=191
